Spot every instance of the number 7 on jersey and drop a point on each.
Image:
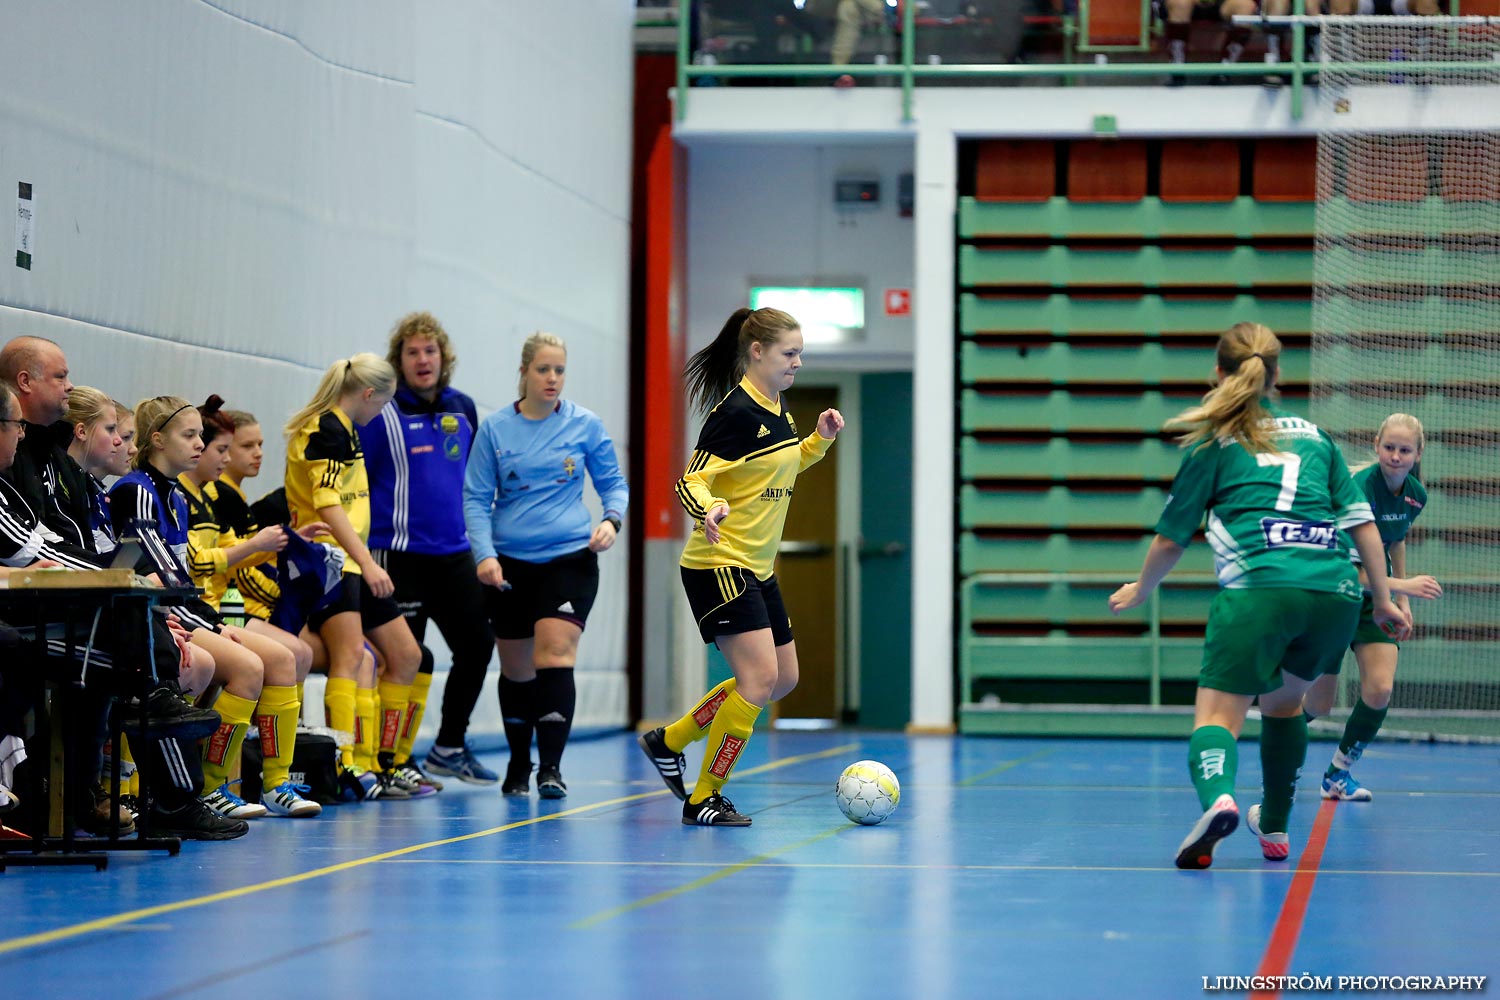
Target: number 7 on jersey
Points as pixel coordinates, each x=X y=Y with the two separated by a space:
x=1291 y=466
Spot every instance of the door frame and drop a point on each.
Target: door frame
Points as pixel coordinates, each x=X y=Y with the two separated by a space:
x=846 y=575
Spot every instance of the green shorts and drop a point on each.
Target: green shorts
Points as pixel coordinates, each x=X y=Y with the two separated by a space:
x=1255 y=634
x=1368 y=631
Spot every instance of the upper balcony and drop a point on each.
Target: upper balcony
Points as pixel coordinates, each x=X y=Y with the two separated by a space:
x=869 y=65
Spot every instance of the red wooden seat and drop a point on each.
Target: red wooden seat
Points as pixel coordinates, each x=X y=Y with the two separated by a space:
x=1200 y=170
x=1016 y=170
x=1285 y=170
x=1111 y=170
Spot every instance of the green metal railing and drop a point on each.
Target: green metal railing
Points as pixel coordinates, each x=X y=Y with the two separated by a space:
x=1295 y=68
x=1152 y=641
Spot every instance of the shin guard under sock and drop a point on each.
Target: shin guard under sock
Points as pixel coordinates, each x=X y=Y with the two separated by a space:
x=1283 y=748
x=694 y=725
x=727 y=736
x=556 y=699
x=1213 y=760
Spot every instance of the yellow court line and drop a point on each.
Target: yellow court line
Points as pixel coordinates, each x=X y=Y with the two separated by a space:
x=1006 y=766
x=722 y=873
x=131 y=916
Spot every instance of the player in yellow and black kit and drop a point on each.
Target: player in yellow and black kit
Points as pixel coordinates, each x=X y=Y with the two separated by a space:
x=214 y=554
x=737 y=488
x=326 y=481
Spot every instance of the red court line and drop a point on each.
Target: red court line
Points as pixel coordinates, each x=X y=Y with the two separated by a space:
x=1278 y=956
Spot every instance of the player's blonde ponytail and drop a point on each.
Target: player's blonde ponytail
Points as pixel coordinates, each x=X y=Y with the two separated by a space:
x=1249 y=356
x=351 y=375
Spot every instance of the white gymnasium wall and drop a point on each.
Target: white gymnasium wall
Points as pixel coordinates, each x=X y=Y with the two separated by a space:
x=229 y=195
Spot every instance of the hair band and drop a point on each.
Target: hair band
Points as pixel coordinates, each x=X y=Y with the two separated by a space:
x=163 y=425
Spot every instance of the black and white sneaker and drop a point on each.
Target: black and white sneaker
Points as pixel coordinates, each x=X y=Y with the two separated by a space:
x=549 y=783
x=668 y=763
x=715 y=810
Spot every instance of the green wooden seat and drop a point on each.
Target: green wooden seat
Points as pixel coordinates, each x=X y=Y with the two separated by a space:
x=1060 y=458
x=1059 y=507
x=1149 y=218
x=1432 y=218
x=1434 y=313
x=1146 y=267
x=1061 y=411
x=1079 y=659
x=1060 y=314
x=1060 y=553
x=1445 y=511
x=1437 y=408
x=1061 y=363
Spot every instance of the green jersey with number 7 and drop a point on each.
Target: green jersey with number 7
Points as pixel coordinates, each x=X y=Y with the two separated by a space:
x=1274 y=519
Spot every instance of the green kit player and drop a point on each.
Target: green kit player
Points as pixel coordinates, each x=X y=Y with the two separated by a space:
x=1278 y=498
x=1396 y=498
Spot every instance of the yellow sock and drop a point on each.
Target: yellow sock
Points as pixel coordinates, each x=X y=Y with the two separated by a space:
x=394 y=699
x=339 y=711
x=365 y=711
x=130 y=784
x=727 y=736
x=694 y=725
x=222 y=749
x=276 y=718
x=301 y=698
x=416 y=707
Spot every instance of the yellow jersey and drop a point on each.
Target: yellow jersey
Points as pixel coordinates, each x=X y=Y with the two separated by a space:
x=748 y=456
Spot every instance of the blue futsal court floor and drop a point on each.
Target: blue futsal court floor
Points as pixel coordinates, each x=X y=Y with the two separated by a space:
x=1013 y=868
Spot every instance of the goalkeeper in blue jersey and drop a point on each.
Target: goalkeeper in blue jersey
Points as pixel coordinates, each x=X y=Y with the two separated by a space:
x=1278 y=500
x=536 y=550
x=1396 y=498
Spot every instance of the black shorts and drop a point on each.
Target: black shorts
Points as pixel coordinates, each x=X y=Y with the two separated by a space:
x=562 y=588
x=729 y=600
x=354 y=594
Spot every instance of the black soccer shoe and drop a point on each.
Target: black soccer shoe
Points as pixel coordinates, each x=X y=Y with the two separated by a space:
x=195 y=821
x=668 y=763
x=549 y=783
x=715 y=810
x=168 y=715
x=517 y=778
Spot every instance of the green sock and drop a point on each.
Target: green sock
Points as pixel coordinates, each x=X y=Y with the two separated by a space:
x=1283 y=748
x=1364 y=722
x=1213 y=759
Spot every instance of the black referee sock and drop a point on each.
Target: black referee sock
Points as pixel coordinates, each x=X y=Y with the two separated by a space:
x=518 y=712
x=556 y=698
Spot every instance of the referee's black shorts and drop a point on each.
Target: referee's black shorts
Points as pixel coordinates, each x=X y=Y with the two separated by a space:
x=728 y=600
x=564 y=588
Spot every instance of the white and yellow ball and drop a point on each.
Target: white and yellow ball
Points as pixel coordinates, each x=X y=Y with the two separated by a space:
x=868 y=792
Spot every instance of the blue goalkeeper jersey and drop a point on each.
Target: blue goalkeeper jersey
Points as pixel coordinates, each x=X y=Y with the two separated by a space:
x=523 y=492
x=415 y=453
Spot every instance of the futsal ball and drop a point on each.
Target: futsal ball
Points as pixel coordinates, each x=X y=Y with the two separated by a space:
x=868 y=792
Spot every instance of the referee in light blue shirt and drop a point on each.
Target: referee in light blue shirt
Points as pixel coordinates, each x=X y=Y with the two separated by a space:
x=537 y=552
x=415 y=453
